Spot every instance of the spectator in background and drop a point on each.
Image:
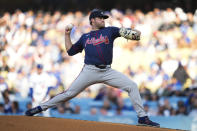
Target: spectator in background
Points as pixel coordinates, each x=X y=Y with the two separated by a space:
x=60 y=109
x=68 y=108
x=15 y=108
x=7 y=102
x=163 y=90
x=113 y=96
x=145 y=92
x=118 y=111
x=165 y=109
x=2 y=109
x=22 y=83
x=93 y=111
x=40 y=85
x=77 y=109
x=12 y=78
x=182 y=110
x=140 y=76
x=104 y=111
x=169 y=65
x=180 y=74
x=149 y=111
x=155 y=97
x=29 y=105
x=2 y=22
x=121 y=106
x=193 y=112
x=34 y=36
x=174 y=86
x=4 y=68
x=106 y=104
x=3 y=85
x=101 y=93
x=191 y=100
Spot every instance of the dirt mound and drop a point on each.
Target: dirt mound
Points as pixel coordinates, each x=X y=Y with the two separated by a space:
x=24 y=123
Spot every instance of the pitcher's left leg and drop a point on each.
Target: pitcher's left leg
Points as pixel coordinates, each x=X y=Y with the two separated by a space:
x=121 y=81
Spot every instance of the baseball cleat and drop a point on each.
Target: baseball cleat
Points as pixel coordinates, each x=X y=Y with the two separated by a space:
x=145 y=121
x=33 y=111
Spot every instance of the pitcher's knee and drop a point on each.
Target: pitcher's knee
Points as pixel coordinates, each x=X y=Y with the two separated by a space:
x=70 y=94
x=134 y=85
x=131 y=87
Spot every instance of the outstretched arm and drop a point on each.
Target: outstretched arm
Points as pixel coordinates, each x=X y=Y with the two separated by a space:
x=129 y=33
x=68 y=43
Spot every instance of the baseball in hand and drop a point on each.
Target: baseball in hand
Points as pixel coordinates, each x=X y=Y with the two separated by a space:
x=69 y=26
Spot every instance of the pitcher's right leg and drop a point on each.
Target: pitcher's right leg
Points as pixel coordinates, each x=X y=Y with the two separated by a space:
x=86 y=78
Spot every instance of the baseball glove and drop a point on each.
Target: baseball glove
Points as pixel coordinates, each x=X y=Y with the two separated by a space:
x=130 y=33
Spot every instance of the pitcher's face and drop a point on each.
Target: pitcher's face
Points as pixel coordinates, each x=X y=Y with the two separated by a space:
x=98 y=22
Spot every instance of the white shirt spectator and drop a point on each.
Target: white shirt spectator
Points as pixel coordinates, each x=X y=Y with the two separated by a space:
x=169 y=66
x=40 y=81
x=3 y=86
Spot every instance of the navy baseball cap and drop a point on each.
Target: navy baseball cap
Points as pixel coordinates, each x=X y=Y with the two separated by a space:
x=97 y=13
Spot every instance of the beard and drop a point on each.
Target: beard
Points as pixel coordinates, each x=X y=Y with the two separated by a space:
x=100 y=26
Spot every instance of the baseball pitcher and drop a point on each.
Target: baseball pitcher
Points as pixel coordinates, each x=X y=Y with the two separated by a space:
x=98 y=46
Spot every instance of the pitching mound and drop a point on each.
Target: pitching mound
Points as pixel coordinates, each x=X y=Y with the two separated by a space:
x=24 y=123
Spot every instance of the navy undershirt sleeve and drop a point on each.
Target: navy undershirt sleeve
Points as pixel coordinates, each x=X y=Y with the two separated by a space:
x=115 y=32
x=76 y=48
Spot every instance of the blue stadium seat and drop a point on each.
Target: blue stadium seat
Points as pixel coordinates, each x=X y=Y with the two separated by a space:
x=130 y=113
x=96 y=104
x=127 y=102
x=84 y=103
x=174 y=100
x=23 y=102
x=152 y=104
x=55 y=113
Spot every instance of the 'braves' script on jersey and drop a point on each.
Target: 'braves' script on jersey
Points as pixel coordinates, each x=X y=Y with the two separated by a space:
x=96 y=41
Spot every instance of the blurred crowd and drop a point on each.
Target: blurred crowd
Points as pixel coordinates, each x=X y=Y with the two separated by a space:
x=34 y=63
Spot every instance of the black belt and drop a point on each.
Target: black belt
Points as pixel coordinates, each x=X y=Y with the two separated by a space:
x=101 y=66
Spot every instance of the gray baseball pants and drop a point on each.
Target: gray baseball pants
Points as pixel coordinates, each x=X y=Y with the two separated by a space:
x=92 y=75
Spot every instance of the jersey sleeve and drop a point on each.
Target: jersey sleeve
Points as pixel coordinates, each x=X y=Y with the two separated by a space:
x=76 y=48
x=115 y=32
